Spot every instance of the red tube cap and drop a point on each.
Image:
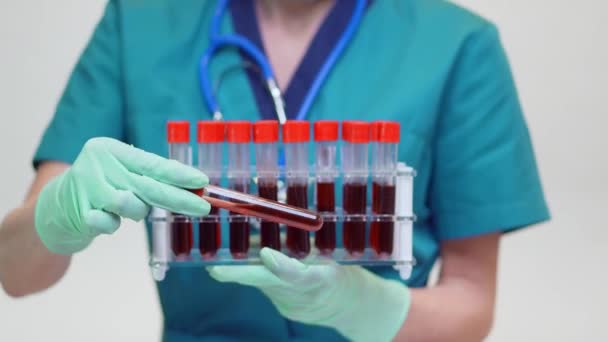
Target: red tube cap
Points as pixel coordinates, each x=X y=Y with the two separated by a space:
x=385 y=131
x=326 y=130
x=266 y=131
x=178 y=132
x=210 y=131
x=373 y=131
x=295 y=131
x=356 y=131
x=238 y=131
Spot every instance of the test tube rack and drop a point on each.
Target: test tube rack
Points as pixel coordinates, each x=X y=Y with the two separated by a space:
x=401 y=258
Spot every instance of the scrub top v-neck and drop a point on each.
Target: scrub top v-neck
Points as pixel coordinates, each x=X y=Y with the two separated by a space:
x=436 y=68
x=246 y=24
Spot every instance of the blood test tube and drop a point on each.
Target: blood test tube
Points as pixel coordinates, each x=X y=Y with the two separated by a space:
x=326 y=136
x=238 y=136
x=210 y=137
x=385 y=135
x=266 y=136
x=265 y=209
x=178 y=137
x=355 y=136
x=296 y=138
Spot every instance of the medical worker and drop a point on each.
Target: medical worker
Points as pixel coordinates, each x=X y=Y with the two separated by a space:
x=436 y=68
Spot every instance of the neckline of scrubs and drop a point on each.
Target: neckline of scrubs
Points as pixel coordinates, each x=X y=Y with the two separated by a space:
x=245 y=23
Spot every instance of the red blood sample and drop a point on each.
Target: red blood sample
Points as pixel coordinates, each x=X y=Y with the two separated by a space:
x=354 y=202
x=209 y=238
x=181 y=236
x=239 y=237
x=239 y=231
x=270 y=232
x=267 y=210
x=210 y=137
x=325 y=238
x=178 y=136
x=384 y=158
x=383 y=203
x=298 y=240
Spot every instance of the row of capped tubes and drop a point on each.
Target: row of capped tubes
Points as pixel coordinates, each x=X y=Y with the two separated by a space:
x=182 y=249
x=210 y=232
x=356 y=136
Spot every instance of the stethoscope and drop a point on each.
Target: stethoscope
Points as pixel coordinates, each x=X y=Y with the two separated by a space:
x=219 y=41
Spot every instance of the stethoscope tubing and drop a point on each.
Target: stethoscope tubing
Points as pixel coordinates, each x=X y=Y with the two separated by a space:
x=218 y=41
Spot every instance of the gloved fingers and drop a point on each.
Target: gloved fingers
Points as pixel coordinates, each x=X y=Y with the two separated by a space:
x=124 y=203
x=161 y=169
x=285 y=268
x=256 y=275
x=168 y=197
x=101 y=222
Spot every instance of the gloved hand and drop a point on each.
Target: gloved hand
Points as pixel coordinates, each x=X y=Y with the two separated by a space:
x=109 y=180
x=357 y=303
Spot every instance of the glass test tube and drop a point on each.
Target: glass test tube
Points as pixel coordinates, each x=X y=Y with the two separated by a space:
x=178 y=137
x=355 y=136
x=238 y=135
x=296 y=137
x=385 y=135
x=265 y=209
x=210 y=137
x=326 y=136
x=161 y=243
x=266 y=136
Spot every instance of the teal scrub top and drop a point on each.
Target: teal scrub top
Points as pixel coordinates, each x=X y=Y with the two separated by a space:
x=436 y=68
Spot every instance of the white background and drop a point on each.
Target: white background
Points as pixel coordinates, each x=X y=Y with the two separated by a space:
x=552 y=279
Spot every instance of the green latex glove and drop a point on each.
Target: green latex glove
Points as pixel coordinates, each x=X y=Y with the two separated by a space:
x=110 y=180
x=357 y=303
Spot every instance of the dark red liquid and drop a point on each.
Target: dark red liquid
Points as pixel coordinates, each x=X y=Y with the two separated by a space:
x=209 y=238
x=354 y=202
x=383 y=202
x=298 y=240
x=181 y=236
x=272 y=211
x=325 y=238
x=239 y=231
x=270 y=232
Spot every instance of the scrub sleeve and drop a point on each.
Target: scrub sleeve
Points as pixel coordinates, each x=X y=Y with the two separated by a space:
x=485 y=177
